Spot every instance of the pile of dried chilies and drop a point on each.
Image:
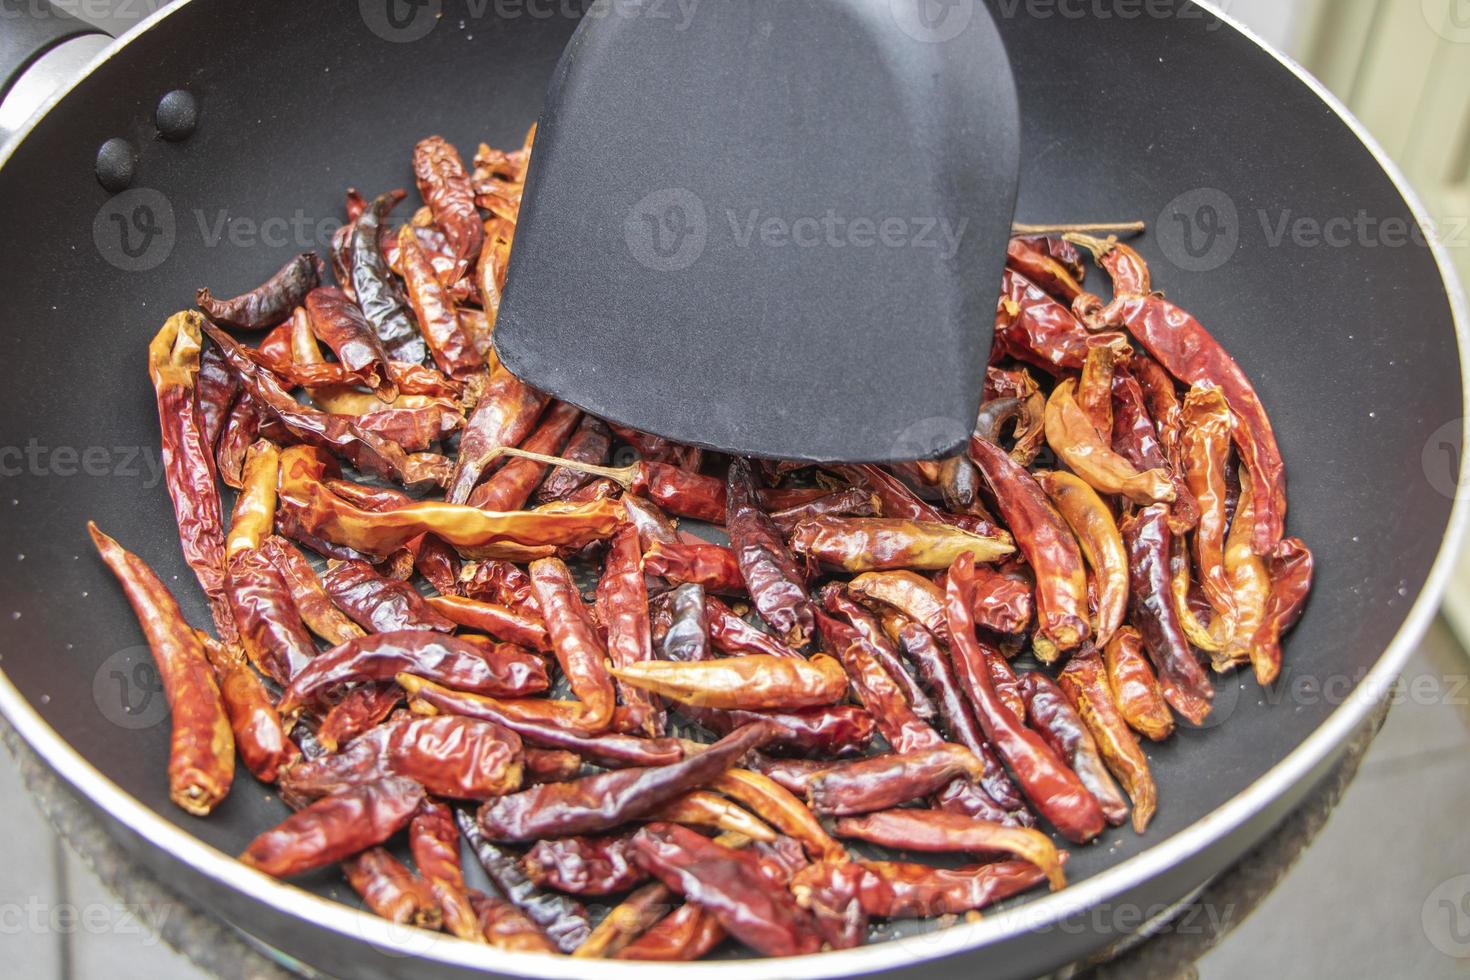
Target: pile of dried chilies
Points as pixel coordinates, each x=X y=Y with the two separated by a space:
x=954 y=654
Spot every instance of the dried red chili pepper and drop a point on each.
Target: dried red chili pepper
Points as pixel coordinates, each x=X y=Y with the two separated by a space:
x=337 y=322
x=827 y=731
x=835 y=600
x=750 y=683
x=911 y=594
x=563 y=918
x=851 y=502
x=938 y=832
x=622 y=608
x=270 y=629
x=1052 y=716
x=1148 y=539
x=680 y=491
x=895 y=890
x=513 y=484
x=504 y=415
x=1291 y=579
x=446 y=188
x=260 y=736
x=500 y=582
x=1055 y=791
x=1085 y=682
x=1073 y=437
x=1030 y=427
x=585 y=865
x=1102 y=545
x=1204 y=450
x=448 y=660
x=1030 y=326
x=506 y=927
x=215 y=389
x=1250 y=589
x=685 y=934
x=608 y=799
x=550 y=766
x=270 y=303
x=687 y=638
x=415 y=428
x=866 y=544
x=776 y=804
x=390 y=890
x=1050 y=262
x=589 y=444
x=1049 y=547
x=311 y=601
x=885 y=781
x=499 y=621
x=628 y=920
x=379 y=604
x=435 y=845
x=335 y=827
x=775 y=581
x=879 y=693
x=579 y=651
x=372 y=285
x=711 y=566
x=728 y=883
x=1134 y=684
x=202 y=747
x=361 y=709
x=703 y=809
x=734 y=636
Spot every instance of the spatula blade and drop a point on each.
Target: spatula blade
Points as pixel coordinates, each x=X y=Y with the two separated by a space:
x=769 y=227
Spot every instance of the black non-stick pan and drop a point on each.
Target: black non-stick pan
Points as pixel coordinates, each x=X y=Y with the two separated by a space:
x=1170 y=115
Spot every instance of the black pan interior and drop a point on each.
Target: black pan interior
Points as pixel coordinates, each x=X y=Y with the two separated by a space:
x=1351 y=348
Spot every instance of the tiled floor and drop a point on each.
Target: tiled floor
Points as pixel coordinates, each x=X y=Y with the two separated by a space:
x=1385 y=891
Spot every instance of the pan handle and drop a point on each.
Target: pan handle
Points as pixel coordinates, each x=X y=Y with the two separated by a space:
x=40 y=48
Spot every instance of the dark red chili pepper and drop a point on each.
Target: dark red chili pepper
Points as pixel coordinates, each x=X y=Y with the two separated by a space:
x=612 y=750
x=836 y=730
x=216 y=388
x=608 y=799
x=446 y=188
x=452 y=661
x=712 y=566
x=731 y=886
x=373 y=287
x=585 y=865
x=734 y=636
x=1140 y=698
x=904 y=730
x=436 y=562
x=270 y=303
x=312 y=603
x=507 y=928
x=1291 y=579
x=894 y=890
x=1085 y=682
x=885 y=781
x=895 y=499
x=880 y=646
x=435 y=846
x=563 y=918
x=684 y=935
x=1049 y=547
x=792 y=775
x=1055 y=791
x=1032 y=327
x=335 y=827
x=934 y=831
x=504 y=415
x=622 y=608
x=866 y=544
x=414 y=429
x=362 y=708
x=260 y=735
x=451 y=347
x=851 y=502
x=1030 y=410
x=687 y=637
x=579 y=651
x=390 y=890
x=1138 y=439
x=500 y=582
x=938 y=676
x=513 y=484
x=589 y=444
x=1034 y=258
x=829 y=890
x=270 y=628
x=1052 y=716
x=550 y=766
x=379 y=604
x=499 y=621
x=337 y=322
x=629 y=919
x=1150 y=600
x=776 y=583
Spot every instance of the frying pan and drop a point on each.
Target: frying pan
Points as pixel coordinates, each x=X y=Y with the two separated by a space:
x=1173 y=115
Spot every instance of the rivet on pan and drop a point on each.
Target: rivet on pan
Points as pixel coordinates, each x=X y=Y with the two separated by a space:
x=117 y=162
x=177 y=115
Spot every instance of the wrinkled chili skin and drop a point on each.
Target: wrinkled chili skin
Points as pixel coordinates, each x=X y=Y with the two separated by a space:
x=458 y=758
x=870 y=544
x=1085 y=682
x=270 y=303
x=500 y=582
x=589 y=444
x=446 y=188
x=687 y=637
x=1291 y=571
x=216 y=388
x=851 y=502
x=1150 y=601
x=311 y=600
x=506 y=927
x=1052 y=788
x=712 y=566
x=1185 y=348
x=1072 y=436
x=550 y=766
x=881 y=647
x=270 y=628
x=448 y=660
x=337 y=322
x=201 y=762
x=504 y=416
x=734 y=636
x=373 y=287
x=362 y=708
x=903 y=891
x=390 y=890
x=1136 y=688
x=579 y=651
x=435 y=845
x=835 y=731
x=563 y=918
x=451 y=347
x=1140 y=440
x=681 y=492
x=938 y=676
x=876 y=689
x=379 y=604
x=912 y=594
x=585 y=865
x=622 y=608
x=936 y=831
x=260 y=736
x=1049 y=547
x=776 y=583
x=886 y=781
x=753 y=683
x=499 y=621
x=335 y=828
x=1102 y=545
x=729 y=884
x=1204 y=451
x=1032 y=327
x=1050 y=262
x=1052 y=716
x=512 y=485
x=606 y=800
x=684 y=935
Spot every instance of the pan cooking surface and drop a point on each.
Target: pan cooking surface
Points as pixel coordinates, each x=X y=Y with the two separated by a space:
x=1176 y=120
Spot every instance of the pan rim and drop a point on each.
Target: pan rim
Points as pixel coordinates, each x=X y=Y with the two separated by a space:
x=1158 y=858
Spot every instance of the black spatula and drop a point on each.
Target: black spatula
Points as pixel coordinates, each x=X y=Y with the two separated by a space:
x=771 y=227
